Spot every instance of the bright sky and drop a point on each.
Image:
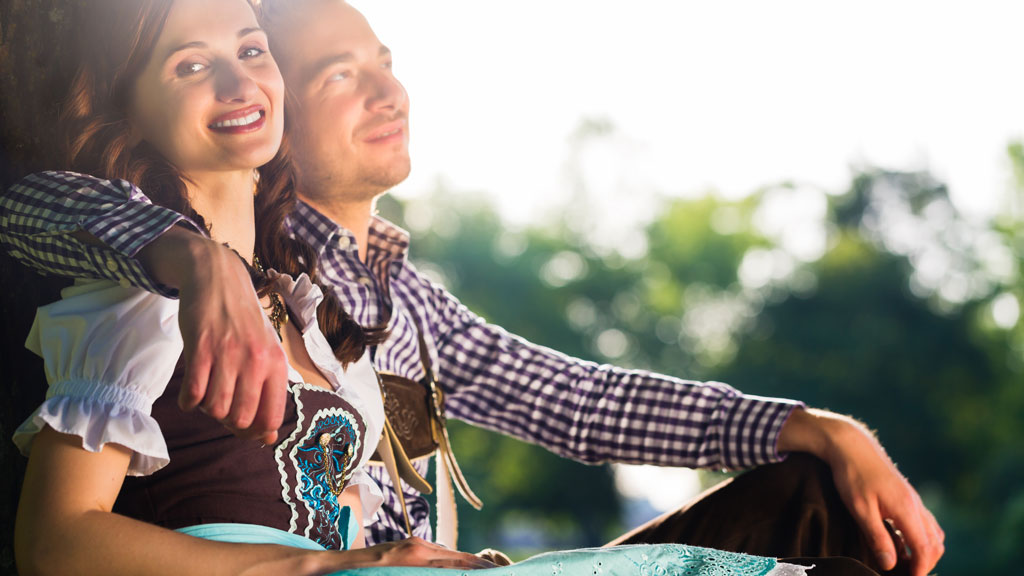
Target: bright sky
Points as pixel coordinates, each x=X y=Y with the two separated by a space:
x=728 y=95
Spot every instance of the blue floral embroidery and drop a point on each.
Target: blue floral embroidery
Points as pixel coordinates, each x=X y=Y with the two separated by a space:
x=313 y=482
x=695 y=561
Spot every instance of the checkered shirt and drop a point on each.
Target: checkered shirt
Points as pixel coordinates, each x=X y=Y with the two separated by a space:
x=577 y=409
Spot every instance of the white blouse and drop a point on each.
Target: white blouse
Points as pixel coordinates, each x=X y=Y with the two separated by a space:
x=109 y=352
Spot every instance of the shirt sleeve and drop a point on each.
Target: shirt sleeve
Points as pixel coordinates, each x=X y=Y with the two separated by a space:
x=39 y=214
x=596 y=412
x=108 y=353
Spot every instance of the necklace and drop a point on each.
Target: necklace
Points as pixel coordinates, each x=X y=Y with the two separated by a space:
x=278 y=312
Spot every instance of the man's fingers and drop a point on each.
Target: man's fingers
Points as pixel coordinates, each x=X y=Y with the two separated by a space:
x=873 y=527
x=924 y=544
x=250 y=371
x=244 y=404
x=219 y=392
x=193 y=387
x=461 y=560
x=418 y=552
x=273 y=397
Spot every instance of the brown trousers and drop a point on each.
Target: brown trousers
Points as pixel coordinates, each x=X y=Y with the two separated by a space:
x=789 y=510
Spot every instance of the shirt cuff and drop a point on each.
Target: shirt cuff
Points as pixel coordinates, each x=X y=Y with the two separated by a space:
x=126 y=229
x=751 y=430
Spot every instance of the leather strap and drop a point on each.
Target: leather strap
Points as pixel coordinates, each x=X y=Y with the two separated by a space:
x=399 y=467
x=451 y=467
x=387 y=454
x=447 y=533
x=446 y=454
x=401 y=464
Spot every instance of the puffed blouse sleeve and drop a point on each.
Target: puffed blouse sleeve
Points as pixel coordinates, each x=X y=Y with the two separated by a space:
x=109 y=352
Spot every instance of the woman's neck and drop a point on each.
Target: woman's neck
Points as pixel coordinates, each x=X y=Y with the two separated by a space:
x=225 y=200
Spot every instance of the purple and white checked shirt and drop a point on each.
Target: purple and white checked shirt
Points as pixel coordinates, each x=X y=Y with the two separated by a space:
x=577 y=409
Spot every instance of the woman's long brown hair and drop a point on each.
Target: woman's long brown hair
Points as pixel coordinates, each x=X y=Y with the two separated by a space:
x=116 y=41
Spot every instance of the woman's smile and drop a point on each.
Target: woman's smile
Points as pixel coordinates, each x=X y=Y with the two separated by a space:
x=248 y=119
x=211 y=97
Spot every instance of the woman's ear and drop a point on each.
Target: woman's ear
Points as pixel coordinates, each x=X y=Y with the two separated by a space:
x=134 y=134
x=131 y=127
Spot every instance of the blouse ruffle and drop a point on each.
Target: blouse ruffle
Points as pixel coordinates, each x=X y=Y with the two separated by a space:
x=88 y=410
x=358 y=380
x=109 y=353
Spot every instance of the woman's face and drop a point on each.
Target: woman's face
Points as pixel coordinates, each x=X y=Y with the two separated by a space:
x=210 y=98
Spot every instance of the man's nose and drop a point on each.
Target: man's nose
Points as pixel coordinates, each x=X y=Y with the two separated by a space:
x=234 y=84
x=387 y=92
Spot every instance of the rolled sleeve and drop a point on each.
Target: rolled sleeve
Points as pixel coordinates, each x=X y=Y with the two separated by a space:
x=597 y=412
x=39 y=215
x=750 y=432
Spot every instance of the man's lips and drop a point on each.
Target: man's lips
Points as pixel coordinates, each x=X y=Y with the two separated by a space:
x=240 y=121
x=393 y=130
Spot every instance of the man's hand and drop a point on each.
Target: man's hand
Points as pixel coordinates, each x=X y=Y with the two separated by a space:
x=869 y=483
x=235 y=368
x=411 y=552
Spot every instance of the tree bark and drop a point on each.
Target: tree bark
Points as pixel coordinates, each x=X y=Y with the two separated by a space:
x=35 y=69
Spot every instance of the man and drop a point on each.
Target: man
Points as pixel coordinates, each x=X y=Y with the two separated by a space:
x=349 y=135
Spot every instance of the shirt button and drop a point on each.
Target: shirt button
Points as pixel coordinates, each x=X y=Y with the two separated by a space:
x=365 y=280
x=112 y=265
x=124 y=283
x=344 y=242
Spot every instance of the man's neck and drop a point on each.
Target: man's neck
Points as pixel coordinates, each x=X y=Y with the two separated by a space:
x=353 y=216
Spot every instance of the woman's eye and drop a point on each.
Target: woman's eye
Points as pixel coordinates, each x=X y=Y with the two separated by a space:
x=189 y=68
x=252 y=53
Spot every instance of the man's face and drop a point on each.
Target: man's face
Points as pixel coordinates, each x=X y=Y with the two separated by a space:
x=349 y=130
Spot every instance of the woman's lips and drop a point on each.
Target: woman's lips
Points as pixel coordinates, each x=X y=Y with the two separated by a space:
x=240 y=121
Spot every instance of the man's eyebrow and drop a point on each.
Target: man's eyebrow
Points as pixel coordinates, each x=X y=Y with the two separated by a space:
x=200 y=44
x=316 y=68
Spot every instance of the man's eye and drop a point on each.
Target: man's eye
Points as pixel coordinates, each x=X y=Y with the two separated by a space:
x=189 y=68
x=338 y=76
x=252 y=53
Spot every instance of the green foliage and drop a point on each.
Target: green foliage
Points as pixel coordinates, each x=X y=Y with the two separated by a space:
x=866 y=331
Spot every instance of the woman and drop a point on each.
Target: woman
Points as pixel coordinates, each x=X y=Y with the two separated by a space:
x=185 y=100
x=184 y=97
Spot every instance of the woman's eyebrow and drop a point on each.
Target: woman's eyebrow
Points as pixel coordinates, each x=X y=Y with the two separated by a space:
x=250 y=30
x=200 y=44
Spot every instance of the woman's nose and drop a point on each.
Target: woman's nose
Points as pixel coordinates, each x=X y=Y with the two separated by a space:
x=234 y=84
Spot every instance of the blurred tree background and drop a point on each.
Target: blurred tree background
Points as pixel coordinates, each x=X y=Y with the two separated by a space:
x=881 y=301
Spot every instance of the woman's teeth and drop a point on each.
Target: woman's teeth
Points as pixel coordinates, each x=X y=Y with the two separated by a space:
x=243 y=121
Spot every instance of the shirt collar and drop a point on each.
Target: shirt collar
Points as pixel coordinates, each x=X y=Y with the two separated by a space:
x=319 y=232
